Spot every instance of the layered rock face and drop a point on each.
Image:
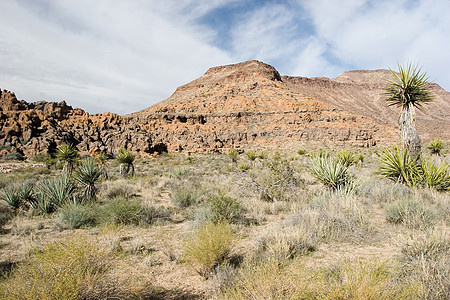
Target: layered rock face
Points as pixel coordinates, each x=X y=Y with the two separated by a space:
x=236 y=106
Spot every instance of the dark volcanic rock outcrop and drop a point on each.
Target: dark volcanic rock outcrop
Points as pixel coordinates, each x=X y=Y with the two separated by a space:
x=235 y=106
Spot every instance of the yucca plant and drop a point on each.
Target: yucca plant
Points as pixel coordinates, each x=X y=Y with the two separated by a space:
x=436 y=176
x=399 y=166
x=26 y=194
x=347 y=158
x=11 y=197
x=233 y=155
x=409 y=90
x=68 y=155
x=126 y=159
x=331 y=172
x=436 y=146
x=54 y=193
x=102 y=160
x=87 y=175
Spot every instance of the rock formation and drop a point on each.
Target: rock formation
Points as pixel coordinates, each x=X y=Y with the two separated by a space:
x=236 y=106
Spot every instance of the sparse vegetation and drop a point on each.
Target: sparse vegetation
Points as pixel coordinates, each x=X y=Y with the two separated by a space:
x=275 y=231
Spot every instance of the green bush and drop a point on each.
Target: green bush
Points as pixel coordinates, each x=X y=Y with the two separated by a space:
x=301 y=152
x=347 y=158
x=77 y=215
x=122 y=211
x=399 y=166
x=208 y=247
x=331 y=172
x=436 y=176
x=184 y=197
x=223 y=208
x=410 y=213
x=436 y=146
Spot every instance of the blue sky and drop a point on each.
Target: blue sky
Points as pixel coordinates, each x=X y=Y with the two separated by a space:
x=124 y=56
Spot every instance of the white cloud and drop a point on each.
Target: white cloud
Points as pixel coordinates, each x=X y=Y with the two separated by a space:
x=378 y=34
x=123 y=56
x=103 y=55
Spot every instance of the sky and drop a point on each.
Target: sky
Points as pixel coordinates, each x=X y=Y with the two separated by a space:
x=126 y=55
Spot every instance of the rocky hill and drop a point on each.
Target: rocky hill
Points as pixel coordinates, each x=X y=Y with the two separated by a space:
x=237 y=106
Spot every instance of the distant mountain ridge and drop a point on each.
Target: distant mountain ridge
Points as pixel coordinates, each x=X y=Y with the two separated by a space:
x=236 y=106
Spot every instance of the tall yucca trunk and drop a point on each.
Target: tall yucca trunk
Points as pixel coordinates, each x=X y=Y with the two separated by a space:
x=409 y=138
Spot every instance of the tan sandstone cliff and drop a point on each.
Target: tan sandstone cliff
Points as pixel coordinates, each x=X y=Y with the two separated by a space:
x=235 y=106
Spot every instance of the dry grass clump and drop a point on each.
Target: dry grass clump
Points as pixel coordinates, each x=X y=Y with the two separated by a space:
x=73 y=269
x=343 y=280
x=208 y=247
x=283 y=243
x=5 y=214
x=336 y=218
x=77 y=215
x=426 y=259
x=411 y=213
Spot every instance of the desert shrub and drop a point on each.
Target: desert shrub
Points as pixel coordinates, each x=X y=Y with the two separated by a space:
x=251 y=155
x=301 y=152
x=15 y=156
x=87 y=175
x=331 y=172
x=122 y=211
x=384 y=191
x=436 y=176
x=436 y=146
x=347 y=158
x=274 y=179
x=399 y=166
x=223 y=208
x=120 y=190
x=426 y=259
x=77 y=215
x=184 y=197
x=334 y=217
x=68 y=270
x=179 y=172
x=5 y=214
x=410 y=213
x=209 y=246
x=152 y=214
x=284 y=243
